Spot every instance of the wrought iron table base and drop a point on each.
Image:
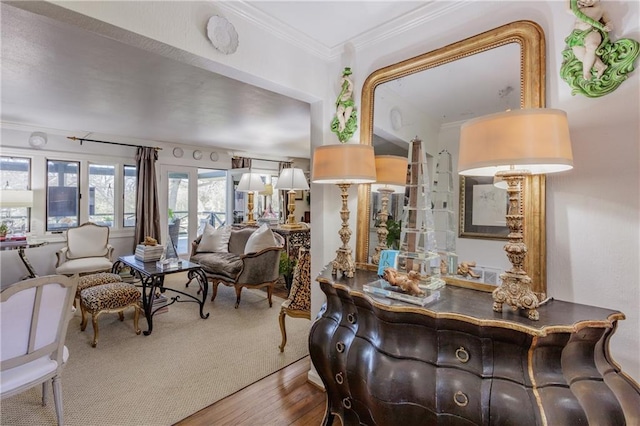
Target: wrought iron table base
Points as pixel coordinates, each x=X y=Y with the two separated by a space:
x=153 y=282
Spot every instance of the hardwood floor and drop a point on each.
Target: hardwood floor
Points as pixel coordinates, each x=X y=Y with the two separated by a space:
x=283 y=398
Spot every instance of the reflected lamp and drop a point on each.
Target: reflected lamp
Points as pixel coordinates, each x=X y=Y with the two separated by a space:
x=344 y=165
x=510 y=146
x=391 y=177
x=250 y=183
x=292 y=179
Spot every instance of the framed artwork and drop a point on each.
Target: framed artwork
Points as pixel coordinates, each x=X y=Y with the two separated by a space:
x=300 y=195
x=483 y=208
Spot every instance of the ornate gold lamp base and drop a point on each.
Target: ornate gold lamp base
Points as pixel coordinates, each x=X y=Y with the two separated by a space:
x=515 y=290
x=250 y=219
x=291 y=207
x=343 y=263
x=382 y=230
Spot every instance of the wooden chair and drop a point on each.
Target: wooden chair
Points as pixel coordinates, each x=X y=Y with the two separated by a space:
x=298 y=304
x=35 y=314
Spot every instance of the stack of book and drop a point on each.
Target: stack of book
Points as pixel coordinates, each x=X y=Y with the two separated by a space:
x=148 y=253
x=160 y=303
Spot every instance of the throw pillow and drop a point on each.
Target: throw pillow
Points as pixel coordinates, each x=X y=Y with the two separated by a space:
x=261 y=239
x=215 y=240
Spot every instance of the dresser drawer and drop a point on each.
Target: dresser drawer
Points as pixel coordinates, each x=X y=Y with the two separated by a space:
x=462 y=394
x=465 y=351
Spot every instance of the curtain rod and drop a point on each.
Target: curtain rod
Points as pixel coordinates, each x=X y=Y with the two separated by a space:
x=263 y=159
x=73 y=138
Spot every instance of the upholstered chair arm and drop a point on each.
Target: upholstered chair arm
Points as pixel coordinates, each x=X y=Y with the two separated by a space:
x=109 y=252
x=194 y=245
x=260 y=267
x=62 y=256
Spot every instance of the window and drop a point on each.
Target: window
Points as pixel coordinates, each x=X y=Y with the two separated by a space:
x=129 y=191
x=212 y=198
x=101 y=194
x=63 y=195
x=15 y=174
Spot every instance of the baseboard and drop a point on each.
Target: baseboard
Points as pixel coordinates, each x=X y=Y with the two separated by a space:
x=314 y=379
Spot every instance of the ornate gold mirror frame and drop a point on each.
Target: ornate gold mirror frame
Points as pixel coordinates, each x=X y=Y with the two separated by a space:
x=530 y=37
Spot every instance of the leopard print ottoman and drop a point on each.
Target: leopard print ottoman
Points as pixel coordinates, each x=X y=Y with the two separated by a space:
x=93 y=280
x=112 y=297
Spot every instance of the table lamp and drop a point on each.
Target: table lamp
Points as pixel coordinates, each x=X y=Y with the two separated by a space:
x=512 y=145
x=268 y=210
x=250 y=183
x=344 y=165
x=15 y=198
x=292 y=179
x=391 y=177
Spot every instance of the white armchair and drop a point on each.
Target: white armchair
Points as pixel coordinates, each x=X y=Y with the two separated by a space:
x=87 y=251
x=35 y=314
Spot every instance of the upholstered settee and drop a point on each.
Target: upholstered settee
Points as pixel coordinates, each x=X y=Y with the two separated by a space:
x=239 y=257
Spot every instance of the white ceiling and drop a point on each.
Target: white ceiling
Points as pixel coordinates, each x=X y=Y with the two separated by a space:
x=56 y=76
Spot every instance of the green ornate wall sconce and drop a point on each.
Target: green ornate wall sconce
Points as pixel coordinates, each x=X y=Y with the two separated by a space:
x=593 y=64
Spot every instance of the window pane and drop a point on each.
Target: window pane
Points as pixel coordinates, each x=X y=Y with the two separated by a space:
x=101 y=197
x=212 y=198
x=129 y=195
x=15 y=174
x=63 y=194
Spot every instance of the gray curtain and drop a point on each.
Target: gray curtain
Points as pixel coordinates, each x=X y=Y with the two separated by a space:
x=240 y=163
x=147 y=211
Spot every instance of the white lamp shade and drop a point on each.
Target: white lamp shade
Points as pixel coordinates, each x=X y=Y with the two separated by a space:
x=12 y=198
x=344 y=164
x=250 y=182
x=391 y=173
x=535 y=140
x=292 y=178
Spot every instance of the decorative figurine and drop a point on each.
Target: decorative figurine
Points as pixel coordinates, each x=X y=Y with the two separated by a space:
x=592 y=64
x=345 y=122
x=464 y=269
x=407 y=283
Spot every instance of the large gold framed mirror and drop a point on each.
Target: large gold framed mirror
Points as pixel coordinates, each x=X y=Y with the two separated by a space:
x=528 y=38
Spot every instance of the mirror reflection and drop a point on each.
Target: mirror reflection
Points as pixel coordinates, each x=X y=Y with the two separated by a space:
x=432 y=104
x=431 y=96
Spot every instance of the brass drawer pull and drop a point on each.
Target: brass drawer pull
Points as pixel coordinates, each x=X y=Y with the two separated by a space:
x=462 y=355
x=346 y=403
x=460 y=399
x=339 y=378
x=351 y=318
x=340 y=347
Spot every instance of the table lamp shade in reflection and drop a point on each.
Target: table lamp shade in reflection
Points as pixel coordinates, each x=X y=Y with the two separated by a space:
x=511 y=145
x=292 y=179
x=391 y=177
x=344 y=165
x=250 y=183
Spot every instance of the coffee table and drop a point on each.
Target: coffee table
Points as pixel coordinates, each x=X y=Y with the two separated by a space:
x=152 y=279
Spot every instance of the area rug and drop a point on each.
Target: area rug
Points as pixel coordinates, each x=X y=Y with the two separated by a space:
x=186 y=364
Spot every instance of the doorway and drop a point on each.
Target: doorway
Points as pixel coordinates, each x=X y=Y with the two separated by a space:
x=192 y=198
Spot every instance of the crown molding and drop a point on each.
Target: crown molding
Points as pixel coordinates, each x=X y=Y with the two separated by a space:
x=276 y=27
x=429 y=12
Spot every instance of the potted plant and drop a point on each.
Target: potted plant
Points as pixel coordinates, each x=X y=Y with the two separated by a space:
x=287 y=264
x=393 y=236
x=3 y=230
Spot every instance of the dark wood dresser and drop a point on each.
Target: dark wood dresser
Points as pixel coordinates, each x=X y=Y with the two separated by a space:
x=457 y=362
